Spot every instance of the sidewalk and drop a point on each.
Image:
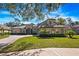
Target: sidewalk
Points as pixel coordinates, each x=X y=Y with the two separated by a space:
x=45 y=52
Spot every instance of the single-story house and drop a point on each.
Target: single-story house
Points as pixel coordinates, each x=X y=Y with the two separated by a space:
x=45 y=27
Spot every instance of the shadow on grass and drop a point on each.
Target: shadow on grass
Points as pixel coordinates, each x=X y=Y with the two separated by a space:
x=45 y=37
x=74 y=38
x=48 y=36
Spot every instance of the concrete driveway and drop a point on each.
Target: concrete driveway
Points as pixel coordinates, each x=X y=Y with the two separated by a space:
x=11 y=39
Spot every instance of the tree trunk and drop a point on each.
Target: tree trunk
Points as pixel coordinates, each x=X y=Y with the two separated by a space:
x=70 y=36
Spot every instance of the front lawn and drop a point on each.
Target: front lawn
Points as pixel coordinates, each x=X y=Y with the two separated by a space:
x=33 y=42
x=3 y=36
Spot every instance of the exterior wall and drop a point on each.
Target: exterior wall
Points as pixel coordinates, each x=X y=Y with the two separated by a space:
x=23 y=31
x=18 y=31
x=53 y=30
x=59 y=30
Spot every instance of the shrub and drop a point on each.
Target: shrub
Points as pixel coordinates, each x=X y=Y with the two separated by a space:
x=70 y=33
x=43 y=31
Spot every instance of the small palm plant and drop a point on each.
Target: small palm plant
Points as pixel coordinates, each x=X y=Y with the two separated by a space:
x=70 y=33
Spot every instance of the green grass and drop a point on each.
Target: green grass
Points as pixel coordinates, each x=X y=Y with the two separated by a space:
x=3 y=36
x=33 y=42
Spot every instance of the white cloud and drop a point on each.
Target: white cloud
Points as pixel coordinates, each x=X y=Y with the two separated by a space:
x=26 y=22
x=65 y=15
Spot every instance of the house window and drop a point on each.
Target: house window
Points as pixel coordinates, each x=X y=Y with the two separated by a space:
x=18 y=30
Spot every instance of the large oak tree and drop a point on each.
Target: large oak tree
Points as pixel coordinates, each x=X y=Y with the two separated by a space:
x=28 y=11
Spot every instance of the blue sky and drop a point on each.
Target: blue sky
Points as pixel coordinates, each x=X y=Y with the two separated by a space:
x=67 y=10
x=71 y=10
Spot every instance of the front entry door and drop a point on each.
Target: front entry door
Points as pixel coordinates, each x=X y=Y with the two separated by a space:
x=28 y=31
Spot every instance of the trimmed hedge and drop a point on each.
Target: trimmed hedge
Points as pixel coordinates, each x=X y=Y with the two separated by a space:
x=52 y=35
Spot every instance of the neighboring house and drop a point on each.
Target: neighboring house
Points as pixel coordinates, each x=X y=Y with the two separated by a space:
x=4 y=28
